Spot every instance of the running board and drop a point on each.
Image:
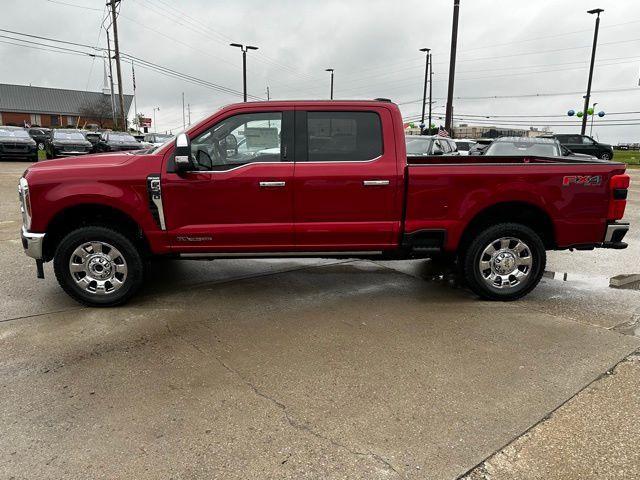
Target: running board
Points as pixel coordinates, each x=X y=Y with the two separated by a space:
x=359 y=253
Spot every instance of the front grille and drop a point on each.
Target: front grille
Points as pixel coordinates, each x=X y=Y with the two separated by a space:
x=16 y=148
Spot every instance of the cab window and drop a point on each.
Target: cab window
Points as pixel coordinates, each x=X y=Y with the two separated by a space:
x=239 y=140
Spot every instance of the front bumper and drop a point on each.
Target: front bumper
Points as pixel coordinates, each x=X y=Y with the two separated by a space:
x=32 y=243
x=614 y=235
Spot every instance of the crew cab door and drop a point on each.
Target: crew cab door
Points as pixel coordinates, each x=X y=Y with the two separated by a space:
x=346 y=179
x=239 y=194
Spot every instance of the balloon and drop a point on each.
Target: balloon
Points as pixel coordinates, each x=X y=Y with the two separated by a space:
x=601 y=114
x=579 y=114
x=589 y=111
x=571 y=113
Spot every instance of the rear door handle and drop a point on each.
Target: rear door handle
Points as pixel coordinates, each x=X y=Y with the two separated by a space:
x=375 y=183
x=272 y=184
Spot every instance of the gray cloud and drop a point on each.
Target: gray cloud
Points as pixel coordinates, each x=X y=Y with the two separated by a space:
x=506 y=48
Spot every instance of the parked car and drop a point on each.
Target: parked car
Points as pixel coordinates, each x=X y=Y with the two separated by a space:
x=92 y=137
x=15 y=142
x=357 y=194
x=480 y=146
x=157 y=139
x=67 y=142
x=464 y=145
x=117 y=142
x=40 y=135
x=586 y=145
x=424 y=145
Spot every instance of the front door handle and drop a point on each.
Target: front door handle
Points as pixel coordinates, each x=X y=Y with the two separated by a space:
x=272 y=184
x=375 y=183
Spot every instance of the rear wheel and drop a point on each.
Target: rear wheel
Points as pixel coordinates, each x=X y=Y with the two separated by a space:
x=98 y=266
x=504 y=262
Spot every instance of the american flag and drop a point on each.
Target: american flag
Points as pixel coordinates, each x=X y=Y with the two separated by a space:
x=442 y=132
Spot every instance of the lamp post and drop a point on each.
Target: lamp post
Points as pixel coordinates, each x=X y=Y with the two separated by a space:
x=155 y=126
x=244 y=65
x=331 y=71
x=593 y=114
x=424 y=90
x=597 y=12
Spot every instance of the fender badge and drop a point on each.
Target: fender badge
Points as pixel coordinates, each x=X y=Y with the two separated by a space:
x=193 y=239
x=586 y=180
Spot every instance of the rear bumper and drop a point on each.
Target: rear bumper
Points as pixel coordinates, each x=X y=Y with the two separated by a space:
x=615 y=234
x=32 y=243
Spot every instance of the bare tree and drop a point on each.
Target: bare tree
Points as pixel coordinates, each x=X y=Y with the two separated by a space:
x=99 y=111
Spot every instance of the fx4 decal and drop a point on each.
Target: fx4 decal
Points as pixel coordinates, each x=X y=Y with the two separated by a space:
x=582 y=180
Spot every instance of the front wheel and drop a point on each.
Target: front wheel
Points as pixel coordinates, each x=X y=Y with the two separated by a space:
x=504 y=262
x=605 y=156
x=98 y=267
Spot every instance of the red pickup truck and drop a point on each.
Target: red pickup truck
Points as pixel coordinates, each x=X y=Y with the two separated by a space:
x=316 y=179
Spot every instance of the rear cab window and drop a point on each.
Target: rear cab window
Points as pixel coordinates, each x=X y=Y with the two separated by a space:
x=343 y=136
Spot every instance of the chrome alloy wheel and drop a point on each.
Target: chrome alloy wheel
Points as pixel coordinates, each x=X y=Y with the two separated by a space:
x=98 y=268
x=505 y=263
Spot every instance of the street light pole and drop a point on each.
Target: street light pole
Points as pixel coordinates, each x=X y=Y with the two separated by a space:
x=155 y=126
x=448 y=123
x=430 y=88
x=597 y=11
x=331 y=91
x=592 y=115
x=424 y=91
x=244 y=65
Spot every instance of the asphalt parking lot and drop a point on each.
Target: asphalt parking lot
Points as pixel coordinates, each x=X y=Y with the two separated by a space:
x=320 y=369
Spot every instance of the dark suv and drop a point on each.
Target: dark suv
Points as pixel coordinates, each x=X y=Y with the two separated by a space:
x=585 y=145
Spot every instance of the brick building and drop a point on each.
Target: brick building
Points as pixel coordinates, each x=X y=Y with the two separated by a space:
x=55 y=107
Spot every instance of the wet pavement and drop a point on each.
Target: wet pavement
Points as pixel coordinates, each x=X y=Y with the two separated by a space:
x=311 y=369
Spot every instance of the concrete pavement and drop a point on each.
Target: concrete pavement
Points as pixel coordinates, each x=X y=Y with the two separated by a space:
x=299 y=369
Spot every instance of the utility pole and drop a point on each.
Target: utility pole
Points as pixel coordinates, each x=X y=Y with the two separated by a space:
x=113 y=102
x=189 y=112
x=155 y=125
x=430 y=88
x=424 y=91
x=135 y=104
x=184 y=125
x=113 y=4
x=268 y=94
x=331 y=92
x=597 y=11
x=448 y=123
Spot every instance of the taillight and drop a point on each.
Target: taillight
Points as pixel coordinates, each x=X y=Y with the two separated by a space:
x=619 y=185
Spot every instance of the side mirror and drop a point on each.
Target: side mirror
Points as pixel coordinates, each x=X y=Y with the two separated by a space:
x=182 y=156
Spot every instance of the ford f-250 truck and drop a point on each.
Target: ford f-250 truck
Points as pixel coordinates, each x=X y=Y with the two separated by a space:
x=312 y=178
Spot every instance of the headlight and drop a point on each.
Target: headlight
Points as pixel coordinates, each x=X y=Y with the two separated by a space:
x=25 y=202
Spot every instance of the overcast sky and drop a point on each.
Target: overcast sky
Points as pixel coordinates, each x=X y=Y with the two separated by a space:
x=506 y=48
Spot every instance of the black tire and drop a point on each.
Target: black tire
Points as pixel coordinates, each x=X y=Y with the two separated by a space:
x=129 y=255
x=605 y=156
x=480 y=280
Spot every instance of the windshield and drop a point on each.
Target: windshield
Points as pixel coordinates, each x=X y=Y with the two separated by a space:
x=62 y=135
x=121 y=137
x=524 y=148
x=418 y=146
x=13 y=133
x=163 y=138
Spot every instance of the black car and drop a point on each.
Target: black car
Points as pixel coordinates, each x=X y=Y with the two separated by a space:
x=67 y=142
x=93 y=137
x=480 y=146
x=424 y=145
x=585 y=145
x=40 y=135
x=117 y=142
x=15 y=142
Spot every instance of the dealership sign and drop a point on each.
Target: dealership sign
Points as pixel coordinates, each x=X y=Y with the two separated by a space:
x=145 y=122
